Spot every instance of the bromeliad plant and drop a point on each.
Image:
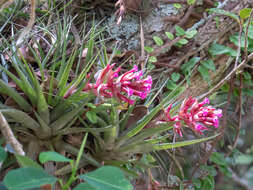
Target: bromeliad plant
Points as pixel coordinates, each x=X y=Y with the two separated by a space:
x=38 y=110
x=50 y=108
x=122 y=140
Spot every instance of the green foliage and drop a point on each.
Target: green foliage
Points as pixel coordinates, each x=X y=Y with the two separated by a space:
x=3 y=155
x=170 y=35
x=91 y=115
x=158 y=40
x=188 y=66
x=179 y=31
x=190 y=2
x=181 y=144
x=26 y=178
x=107 y=178
x=52 y=156
x=25 y=161
x=204 y=183
x=217 y=49
x=245 y=13
x=52 y=106
x=243 y=159
x=220 y=160
x=190 y=33
x=175 y=77
x=177 y=5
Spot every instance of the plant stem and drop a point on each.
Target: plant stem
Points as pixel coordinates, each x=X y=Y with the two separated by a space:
x=75 y=167
x=9 y=136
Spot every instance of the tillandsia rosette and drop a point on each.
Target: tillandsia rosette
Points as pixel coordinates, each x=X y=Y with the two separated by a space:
x=109 y=84
x=195 y=115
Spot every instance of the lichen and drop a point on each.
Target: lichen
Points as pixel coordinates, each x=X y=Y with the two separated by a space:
x=128 y=31
x=125 y=30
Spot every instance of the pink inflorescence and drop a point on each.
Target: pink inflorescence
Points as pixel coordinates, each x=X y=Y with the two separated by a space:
x=195 y=115
x=109 y=84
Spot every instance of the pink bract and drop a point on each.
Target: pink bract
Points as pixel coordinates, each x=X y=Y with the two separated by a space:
x=195 y=115
x=109 y=84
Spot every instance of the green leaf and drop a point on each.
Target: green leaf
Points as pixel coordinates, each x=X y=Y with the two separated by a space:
x=170 y=85
x=148 y=49
x=92 y=116
x=42 y=106
x=225 y=170
x=248 y=92
x=107 y=178
x=3 y=154
x=209 y=64
x=179 y=31
x=245 y=13
x=217 y=49
x=165 y=146
x=210 y=169
x=208 y=183
x=158 y=40
x=190 y=2
x=190 y=33
x=226 y=13
x=52 y=156
x=65 y=75
x=235 y=39
x=5 y=89
x=246 y=75
x=152 y=59
x=175 y=76
x=22 y=118
x=196 y=183
x=85 y=186
x=218 y=158
x=26 y=178
x=66 y=118
x=204 y=73
x=25 y=161
x=149 y=132
x=244 y=159
x=177 y=5
x=182 y=41
x=2 y=186
x=169 y=35
x=187 y=67
x=45 y=130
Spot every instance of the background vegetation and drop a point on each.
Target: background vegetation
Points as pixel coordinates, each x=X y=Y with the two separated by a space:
x=106 y=94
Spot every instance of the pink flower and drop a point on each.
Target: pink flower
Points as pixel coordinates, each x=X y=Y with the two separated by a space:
x=109 y=84
x=195 y=115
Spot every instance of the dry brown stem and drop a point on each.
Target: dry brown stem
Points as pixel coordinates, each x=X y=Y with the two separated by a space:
x=9 y=136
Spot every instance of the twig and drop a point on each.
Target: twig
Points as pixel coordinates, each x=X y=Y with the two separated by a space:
x=9 y=136
x=239 y=119
x=244 y=183
x=239 y=45
x=241 y=87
